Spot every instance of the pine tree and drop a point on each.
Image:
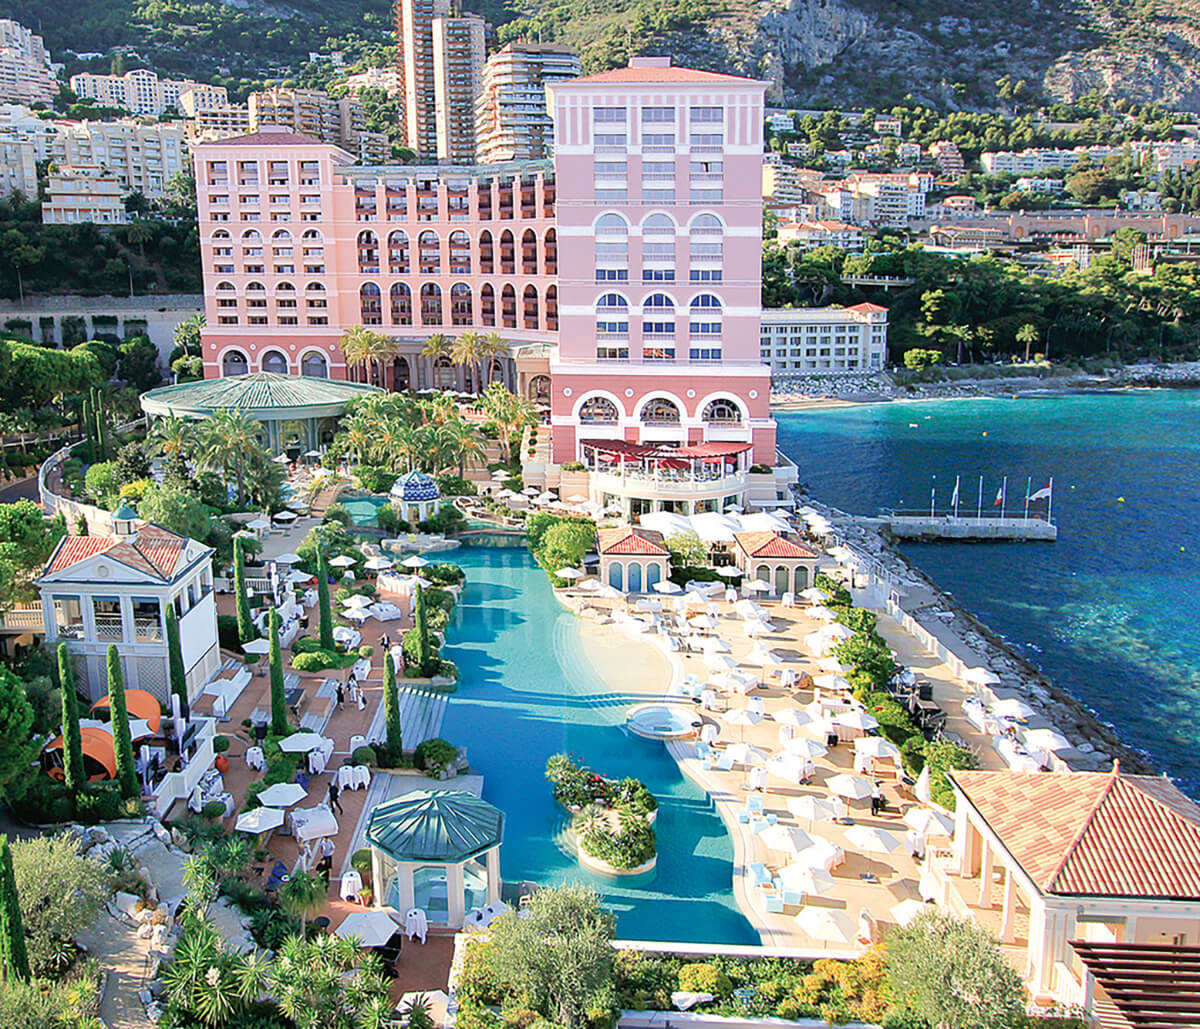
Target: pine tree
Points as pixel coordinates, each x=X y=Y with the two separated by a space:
x=122 y=743
x=245 y=626
x=278 y=699
x=326 y=612
x=175 y=658
x=72 y=743
x=391 y=709
x=423 y=653
x=14 y=961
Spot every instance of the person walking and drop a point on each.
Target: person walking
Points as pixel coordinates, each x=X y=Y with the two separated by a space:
x=340 y=696
x=325 y=863
x=876 y=798
x=334 y=792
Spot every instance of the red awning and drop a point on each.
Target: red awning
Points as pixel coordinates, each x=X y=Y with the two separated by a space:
x=662 y=451
x=712 y=450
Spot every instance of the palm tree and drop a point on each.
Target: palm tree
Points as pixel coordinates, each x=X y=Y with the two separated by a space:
x=492 y=346
x=171 y=437
x=228 y=443
x=356 y=346
x=510 y=413
x=435 y=347
x=467 y=352
x=328 y=983
x=301 y=897
x=465 y=443
x=1028 y=335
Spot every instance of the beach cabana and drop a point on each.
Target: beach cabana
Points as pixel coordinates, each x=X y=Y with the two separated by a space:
x=632 y=559
x=437 y=850
x=139 y=704
x=788 y=566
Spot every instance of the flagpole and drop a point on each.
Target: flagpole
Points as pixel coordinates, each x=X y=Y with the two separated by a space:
x=979 y=514
x=956 y=478
x=1028 y=488
x=932 y=498
x=1050 y=503
x=1003 y=496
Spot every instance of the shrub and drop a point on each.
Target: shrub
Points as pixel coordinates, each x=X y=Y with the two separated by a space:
x=213 y=810
x=701 y=977
x=760 y=469
x=374 y=479
x=361 y=862
x=447 y=519
x=455 y=486
x=318 y=660
x=363 y=756
x=434 y=755
x=337 y=513
x=365 y=651
x=573 y=466
x=388 y=519
x=227 y=632
x=220 y=744
x=446 y=574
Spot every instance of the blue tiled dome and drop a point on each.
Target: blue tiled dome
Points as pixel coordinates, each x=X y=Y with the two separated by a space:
x=415 y=487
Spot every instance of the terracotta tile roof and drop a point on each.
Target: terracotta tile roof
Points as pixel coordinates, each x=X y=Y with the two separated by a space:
x=1093 y=833
x=770 y=544
x=153 y=550
x=631 y=541
x=867 y=307
x=682 y=75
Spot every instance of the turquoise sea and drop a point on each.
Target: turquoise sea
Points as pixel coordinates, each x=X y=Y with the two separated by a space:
x=1109 y=611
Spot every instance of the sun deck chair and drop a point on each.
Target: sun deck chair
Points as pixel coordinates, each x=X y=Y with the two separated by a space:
x=275 y=879
x=724 y=762
x=758 y=873
x=772 y=900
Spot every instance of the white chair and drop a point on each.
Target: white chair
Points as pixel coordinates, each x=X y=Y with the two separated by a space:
x=357 y=741
x=362 y=777
x=757 y=707
x=789 y=599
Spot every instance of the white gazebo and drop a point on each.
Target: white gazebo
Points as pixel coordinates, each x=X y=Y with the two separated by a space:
x=437 y=850
x=415 y=497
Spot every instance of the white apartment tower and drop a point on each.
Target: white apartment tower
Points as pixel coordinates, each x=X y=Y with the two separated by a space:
x=142 y=92
x=441 y=53
x=25 y=73
x=511 y=120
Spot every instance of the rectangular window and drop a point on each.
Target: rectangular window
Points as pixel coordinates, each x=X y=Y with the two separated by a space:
x=707 y=115
x=609 y=115
x=612 y=328
x=706 y=140
x=705 y=196
x=106 y=612
x=612 y=196
x=609 y=142
x=658 y=142
x=612 y=275
x=705 y=275
x=705 y=169
x=658 y=170
x=68 y=617
x=658 y=115
x=609 y=170
x=317 y=321
x=285 y=319
x=227 y=319
x=612 y=353
x=657 y=195
x=704 y=353
x=658 y=274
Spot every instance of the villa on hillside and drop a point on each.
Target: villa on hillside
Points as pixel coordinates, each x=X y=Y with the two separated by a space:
x=102 y=589
x=1060 y=865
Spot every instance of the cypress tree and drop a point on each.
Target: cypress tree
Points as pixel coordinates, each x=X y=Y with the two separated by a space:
x=323 y=601
x=391 y=708
x=101 y=435
x=278 y=700
x=246 y=630
x=122 y=743
x=424 y=653
x=87 y=426
x=72 y=743
x=14 y=961
x=175 y=658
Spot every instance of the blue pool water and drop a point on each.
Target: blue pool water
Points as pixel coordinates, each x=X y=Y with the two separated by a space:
x=1109 y=612
x=528 y=692
x=363 y=509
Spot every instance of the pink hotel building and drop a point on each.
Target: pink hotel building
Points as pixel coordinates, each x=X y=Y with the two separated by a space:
x=625 y=274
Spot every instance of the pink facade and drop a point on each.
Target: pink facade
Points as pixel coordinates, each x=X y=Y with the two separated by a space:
x=660 y=229
x=299 y=244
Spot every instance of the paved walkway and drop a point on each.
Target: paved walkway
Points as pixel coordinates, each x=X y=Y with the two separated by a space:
x=116 y=948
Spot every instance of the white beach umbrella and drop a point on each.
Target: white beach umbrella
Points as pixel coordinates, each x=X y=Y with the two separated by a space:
x=341 y=561
x=742 y=716
x=877 y=747
x=371 y=928
x=871 y=840
x=837 y=632
x=822 y=613
x=842 y=555
x=259 y=820
x=793 y=716
x=746 y=754
x=718 y=662
x=591 y=585
x=730 y=572
x=757 y=586
x=716 y=645
x=415 y=561
x=748 y=609
x=312 y=453
x=319 y=821
x=297 y=576
x=281 y=459
x=378 y=564
x=813 y=882
x=283 y=794
x=804 y=747
x=831 y=682
x=907 y=910
x=258 y=523
x=301 y=742
x=785 y=838
x=928 y=822
x=299 y=506
x=569 y=573
x=256 y=647
x=848 y=787
x=322 y=473
x=1047 y=739
x=691 y=598
x=762 y=657
x=856 y=718
x=244 y=535
x=285 y=516
x=788 y=767
x=812 y=809
x=814 y=595
x=414 y=581
x=531 y=491
x=705 y=623
x=287 y=559
x=357 y=600
x=667 y=587
x=832 y=664
x=500 y=475
x=828 y=925
x=757 y=627
x=607 y=591
x=1013 y=707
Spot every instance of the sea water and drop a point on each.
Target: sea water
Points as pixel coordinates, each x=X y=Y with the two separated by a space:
x=528 y=691
x=1109 y=611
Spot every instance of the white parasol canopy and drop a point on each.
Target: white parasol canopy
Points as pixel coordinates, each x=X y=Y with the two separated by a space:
x=285 y=516
x=318 y=822
x=872 y=840
x=831 y=681
x=667 y=586
x=378 y=564
x=851 y=787
x=569 y=573
x=877 y=747
x=287 y=559
x=742 y=716
x=812 y=809
x=258 y=523
x=794 y=716
x=928 y=822
x=283 y=794
x=907 y=910
x=827 y=924
x=814 y=882
x=802 y=746
x=259 y=820
x=757 y=586
x=716 y=645
x=979 y=676
x=415 y=561
x=823 y=613
x=302 y=742
x=1013 y=707
x=856 y=718
x=371 y=928
x=357 y=600
x=1047 y=739
x=341 y=561
x=718 y=662
x=256 y=647
x=785 y=837
x=814 y=595
x=745 y=754
x=704 y=623
x=788 y=767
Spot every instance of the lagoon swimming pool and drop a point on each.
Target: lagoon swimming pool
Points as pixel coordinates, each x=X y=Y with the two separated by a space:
x=528 y=691
x=363 y=509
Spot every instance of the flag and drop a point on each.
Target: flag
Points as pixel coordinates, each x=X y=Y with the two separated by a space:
x=954 y=497
x=1000 y=496
x=1042 y=494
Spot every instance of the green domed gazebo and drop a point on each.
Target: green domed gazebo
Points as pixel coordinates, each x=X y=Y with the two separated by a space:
x=297 y=412
x=438 y=850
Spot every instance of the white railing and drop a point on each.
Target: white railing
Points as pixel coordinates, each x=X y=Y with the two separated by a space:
x=615 y=483
x=179 y=785
x=23 y=618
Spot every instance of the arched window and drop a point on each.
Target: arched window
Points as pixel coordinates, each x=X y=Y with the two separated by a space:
x=314 y=294
x=368 y=253
x=460 y=253
x=705 y=247
x=529 y=264
x=221 y=234
x=658 y=327
x=487 y=304
x=612 y=248
x=531 y=307
x=255 y=287
x=314 y=365
x=611 y=303
x=487 y=256
x=256 y=295
x=443 y=372
x=431 y=304
x=275 y=361
x=460 y=304
x=312 y=236
x=429 y=254
x=552 y=308
x=658 y=225
x=706 y=225
x=539 y=389
x=233 y=362
x=508 y=260
x=611 y=225
x=722 y=411
x=598 y=411
x=660 y=411
x=658 y=304
x=612 y=322
x=551 y=252
x=285 y=287
x=401 y=304
x=370 y=304
x=508 y=307
x=252 y=236
x=225 y=287
x=281 y=235
x=398 y=253
x=704 y=328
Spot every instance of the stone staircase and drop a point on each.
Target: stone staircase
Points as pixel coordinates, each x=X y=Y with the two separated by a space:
x=421 y=713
